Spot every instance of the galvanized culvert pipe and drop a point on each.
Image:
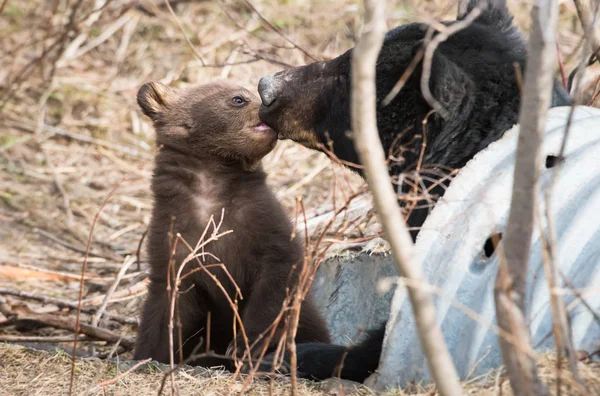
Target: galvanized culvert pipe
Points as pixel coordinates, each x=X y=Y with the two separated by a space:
x=459 y=258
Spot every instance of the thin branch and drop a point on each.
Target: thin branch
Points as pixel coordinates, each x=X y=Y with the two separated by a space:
x=68 y=323
x=279 y=32
x=119 y=377
x=128 y=262
x=587 y=18
x=78 y=325
x=580 y=297
x=61 y=190
x=65 y=304
x=25 y=125
x=560 y=320
x=139 y=251
x=369 y=148
x=510 y=284
x=430 y=48
x=70 y=246
x=185 y=36
x=38 y=339
x=403 y=79
x=137 y=289
x=591 y=46
x=4 y=2
x=462 y=8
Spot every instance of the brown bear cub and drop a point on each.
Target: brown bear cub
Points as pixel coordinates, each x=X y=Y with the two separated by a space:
x=210 y=143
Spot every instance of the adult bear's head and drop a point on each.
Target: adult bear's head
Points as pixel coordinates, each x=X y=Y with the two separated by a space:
x=310 y=104
x=473 y=77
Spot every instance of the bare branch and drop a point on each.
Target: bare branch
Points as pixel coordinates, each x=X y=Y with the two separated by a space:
x=278 y=31
x=509 y=290
x=78 y=325
x=430 y=48
x=369 y=148
x=589 y=52
x=126 y=264
x=462 y=8
x=66 y=304
x=68 y=323
x=588 y=19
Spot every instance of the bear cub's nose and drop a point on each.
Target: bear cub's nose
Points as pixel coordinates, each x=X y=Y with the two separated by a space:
x=267 y=89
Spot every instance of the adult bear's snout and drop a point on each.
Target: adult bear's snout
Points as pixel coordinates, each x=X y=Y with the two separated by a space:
x=268 y=89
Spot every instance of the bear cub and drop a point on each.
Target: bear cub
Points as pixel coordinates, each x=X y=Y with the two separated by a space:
x=211 y=142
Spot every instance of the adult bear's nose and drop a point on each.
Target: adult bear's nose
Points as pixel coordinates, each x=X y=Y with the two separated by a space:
x=267 y=89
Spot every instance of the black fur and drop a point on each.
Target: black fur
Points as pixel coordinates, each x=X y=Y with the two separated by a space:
x=474 y=79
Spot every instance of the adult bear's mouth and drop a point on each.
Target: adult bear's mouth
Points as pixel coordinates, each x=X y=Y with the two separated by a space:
x=267 y=117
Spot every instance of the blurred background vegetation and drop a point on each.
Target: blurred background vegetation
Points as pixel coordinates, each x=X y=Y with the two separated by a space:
x=70 y=129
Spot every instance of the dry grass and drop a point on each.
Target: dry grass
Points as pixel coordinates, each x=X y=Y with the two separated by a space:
x=70 y=131
x=20 y=375
x=28 y=372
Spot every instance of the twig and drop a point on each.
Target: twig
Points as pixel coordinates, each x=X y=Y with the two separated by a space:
x=462 y=8
x=107 y=32
x=78 y=325
x=126 y=264
x=194 y=255
x=279 y=32
x=86 y=23
x=403 y=79
x=498 y=382
x=561 y=66
x=71 y=246
x=4 y=2
x=369 y=148
x=510 y=286
x=119 y=377
x=15 y=339
x=587 y=19
x=596 y=93
x=25 y=126
x=68 y=323
x=68 y=275
x=560 y=323
x=140 y=7
x=59 y=44
x=135 y=290
x=61 y=190
x=113 y=350
x=580 y=297
x=591 y=44
x=139 y=250
x=193 y=356
x=428 y=58
x=65 y=304
x=86 y=139
x=562 y=333
x=185 y=36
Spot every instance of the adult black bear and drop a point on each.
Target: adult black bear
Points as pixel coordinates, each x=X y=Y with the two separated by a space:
x=473 y=77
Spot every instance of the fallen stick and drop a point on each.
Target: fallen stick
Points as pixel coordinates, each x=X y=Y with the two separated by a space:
x=71 y=246
x=13 y=338
x=66 y=304
x=66 y=323
x=6 y=270
x=132 y=291
x=111 y=290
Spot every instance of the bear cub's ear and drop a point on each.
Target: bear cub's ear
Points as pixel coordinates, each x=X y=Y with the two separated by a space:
x=155 y=98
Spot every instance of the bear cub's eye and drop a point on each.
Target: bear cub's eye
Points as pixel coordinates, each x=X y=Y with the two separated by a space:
x=238 y=100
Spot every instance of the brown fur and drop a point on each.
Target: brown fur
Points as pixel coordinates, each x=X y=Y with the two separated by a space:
x=209 y=159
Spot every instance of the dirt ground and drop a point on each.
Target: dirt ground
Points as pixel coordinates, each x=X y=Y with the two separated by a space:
x=71 y=133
